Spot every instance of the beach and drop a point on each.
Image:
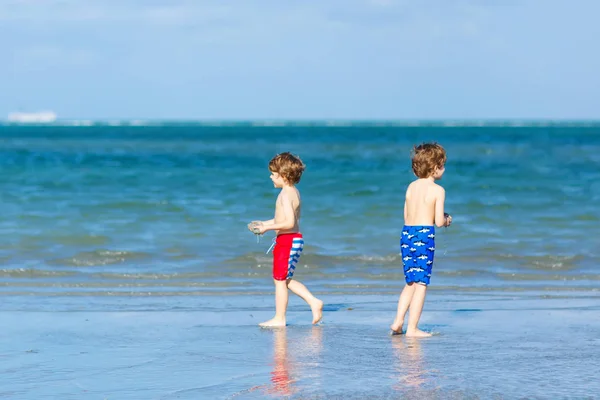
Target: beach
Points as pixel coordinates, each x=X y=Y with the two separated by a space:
x=485 y=346
x=127 y=270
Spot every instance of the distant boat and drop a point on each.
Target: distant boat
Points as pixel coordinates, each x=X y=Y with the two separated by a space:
x=35 y=117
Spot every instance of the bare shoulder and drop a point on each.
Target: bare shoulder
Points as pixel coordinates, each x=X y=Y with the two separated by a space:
x=409 y=189
x=291 y=194
x=438 y=190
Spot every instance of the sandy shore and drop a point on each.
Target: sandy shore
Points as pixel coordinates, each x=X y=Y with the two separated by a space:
x=505 y=347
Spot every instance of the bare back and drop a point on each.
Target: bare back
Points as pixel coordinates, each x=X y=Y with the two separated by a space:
x=424 y=204
x=287 y=206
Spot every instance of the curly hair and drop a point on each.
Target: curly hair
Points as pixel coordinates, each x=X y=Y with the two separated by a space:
x=426 y=158
x=289 y=166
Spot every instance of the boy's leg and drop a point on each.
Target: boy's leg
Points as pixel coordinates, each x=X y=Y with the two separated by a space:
x=315 y=304
x=416 y=307
x=281 y=301
x=403 y=303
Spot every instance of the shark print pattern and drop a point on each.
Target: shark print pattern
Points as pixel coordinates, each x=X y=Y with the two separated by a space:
x=417 y=246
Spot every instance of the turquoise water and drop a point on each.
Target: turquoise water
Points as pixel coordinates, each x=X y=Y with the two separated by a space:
x=127 y=271
x=161 y=210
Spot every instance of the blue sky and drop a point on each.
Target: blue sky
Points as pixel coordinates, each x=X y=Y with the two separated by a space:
x=297 y=59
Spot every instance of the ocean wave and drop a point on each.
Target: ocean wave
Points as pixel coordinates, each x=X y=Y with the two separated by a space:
x=313 y=261
x=546 y=262
x=52 y=237
x=123 y=285
x=255 y=275
x=99 y=258
x=34 y=273
x=490 y=257
x=541 y=291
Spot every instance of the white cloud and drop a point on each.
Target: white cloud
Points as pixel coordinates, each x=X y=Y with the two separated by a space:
x=267 y=34
x=345 y=49
x=33 y=11
x=45 y=57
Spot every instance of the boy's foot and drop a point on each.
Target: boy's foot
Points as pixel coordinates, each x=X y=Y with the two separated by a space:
x=317 y=311
x=417 y=333
x=273 y=323
x=396 y=327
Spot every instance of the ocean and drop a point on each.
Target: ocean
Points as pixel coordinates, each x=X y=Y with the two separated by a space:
x=147 y=222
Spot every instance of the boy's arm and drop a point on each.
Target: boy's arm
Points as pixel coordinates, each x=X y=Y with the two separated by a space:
x=405 y=212
x=269 y=222
x=440 y=218
x=289 y=217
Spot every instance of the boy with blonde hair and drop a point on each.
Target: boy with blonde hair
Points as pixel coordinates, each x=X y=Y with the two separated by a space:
x=286 y=171
x=423 y=208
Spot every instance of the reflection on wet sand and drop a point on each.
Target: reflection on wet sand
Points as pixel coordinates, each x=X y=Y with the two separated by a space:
x=286 y=359
x=409 y=363
x=282 y=383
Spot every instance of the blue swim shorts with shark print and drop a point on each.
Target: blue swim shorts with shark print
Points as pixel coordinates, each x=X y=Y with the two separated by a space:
x=417 y=247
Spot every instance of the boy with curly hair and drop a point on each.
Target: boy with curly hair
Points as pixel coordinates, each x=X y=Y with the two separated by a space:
x=286 y=171
x=423 y=208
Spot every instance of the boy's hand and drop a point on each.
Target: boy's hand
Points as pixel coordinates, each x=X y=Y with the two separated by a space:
x=252 y=225
x=256 y=227
x=448 y=219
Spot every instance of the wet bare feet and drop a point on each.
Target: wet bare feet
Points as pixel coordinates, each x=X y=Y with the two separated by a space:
x=396 y=327
x=273 y=323
x=317 y=311
x=417 y=333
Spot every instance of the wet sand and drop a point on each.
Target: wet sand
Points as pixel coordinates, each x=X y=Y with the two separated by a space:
x=486 y=346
